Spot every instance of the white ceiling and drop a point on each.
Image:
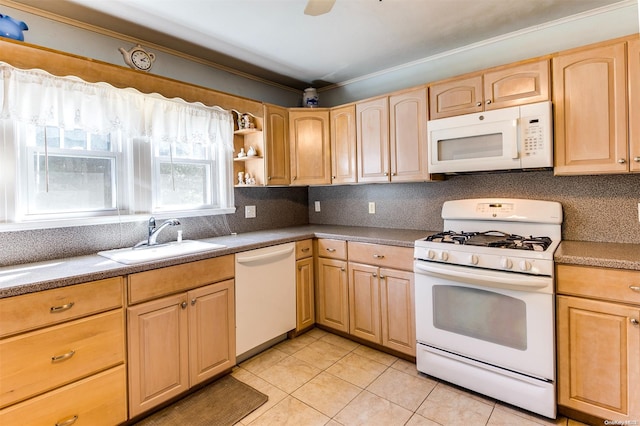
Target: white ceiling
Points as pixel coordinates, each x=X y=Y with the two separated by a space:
x=275 y=40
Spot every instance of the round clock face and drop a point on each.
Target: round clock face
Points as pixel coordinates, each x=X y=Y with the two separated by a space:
x=141 y=60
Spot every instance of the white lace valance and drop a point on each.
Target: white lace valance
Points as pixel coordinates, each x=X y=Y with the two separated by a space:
x=37 y=97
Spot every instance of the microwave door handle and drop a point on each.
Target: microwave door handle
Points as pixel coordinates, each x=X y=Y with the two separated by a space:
x=514 y=146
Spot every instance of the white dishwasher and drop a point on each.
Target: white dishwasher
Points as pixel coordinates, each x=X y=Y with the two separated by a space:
x=265 y=296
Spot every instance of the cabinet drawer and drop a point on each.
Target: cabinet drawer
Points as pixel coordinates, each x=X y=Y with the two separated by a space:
x=80 y=348
x=96 y=400
x=30 y=311
x=304 y=249
x=333 y=249
x=174 y=279
x=599 y=283
x=382 y=255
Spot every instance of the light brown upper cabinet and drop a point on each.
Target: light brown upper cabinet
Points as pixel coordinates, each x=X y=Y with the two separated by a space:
x=590 y=98
x=391 y=137
x=276 y=134
x=310 y=146
x=499 y=87
x=634 y=103
x=343 y=144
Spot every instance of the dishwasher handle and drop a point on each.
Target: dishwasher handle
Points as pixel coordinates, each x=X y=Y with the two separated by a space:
x=263 y=257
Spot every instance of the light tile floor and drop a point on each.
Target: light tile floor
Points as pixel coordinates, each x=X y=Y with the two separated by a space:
x=320 y=378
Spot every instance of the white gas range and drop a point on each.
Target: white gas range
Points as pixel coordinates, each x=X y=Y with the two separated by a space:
x=485 y=299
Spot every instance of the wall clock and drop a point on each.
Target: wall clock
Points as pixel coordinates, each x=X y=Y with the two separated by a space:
x=138 y=58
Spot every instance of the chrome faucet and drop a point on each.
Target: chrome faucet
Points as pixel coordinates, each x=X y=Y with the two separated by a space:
x=153 y=231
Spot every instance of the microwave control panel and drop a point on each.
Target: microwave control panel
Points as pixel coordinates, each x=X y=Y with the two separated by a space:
x=536 y=135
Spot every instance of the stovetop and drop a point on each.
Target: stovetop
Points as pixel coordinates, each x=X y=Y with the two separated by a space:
x=497 y=239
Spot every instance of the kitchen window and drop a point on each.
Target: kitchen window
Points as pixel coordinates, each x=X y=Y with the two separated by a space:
x=85 y=152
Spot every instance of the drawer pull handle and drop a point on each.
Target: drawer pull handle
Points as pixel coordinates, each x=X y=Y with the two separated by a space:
x=378 y=256
x=635 y=287
x=306 y=249
x=634 y=321
x=63 y=357
x=61 y=308
x=67 y=422
x=331 y=250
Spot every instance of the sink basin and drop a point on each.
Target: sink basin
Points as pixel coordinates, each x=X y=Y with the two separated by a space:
x=130 y=256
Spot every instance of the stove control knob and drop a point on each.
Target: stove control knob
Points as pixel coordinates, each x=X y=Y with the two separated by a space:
x=431 y=254
x=473 y=259
x=524 y=265
x=444 y=256
x=506 y=263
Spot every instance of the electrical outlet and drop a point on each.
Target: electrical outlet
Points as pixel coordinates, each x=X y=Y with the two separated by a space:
x=317 y=206
x=372 y=207
x=249 y=212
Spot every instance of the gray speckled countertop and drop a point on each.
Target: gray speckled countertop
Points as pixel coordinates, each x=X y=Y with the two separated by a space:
x=33 y=277
x=607 y=255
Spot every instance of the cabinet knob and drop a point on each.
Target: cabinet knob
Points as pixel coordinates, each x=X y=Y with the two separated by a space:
x=268 y=177
x=67 y=422
x=183 y=305
x=193 y=301
x=478 y=104
x=635 y=287
x=294 y=177
x=622 y=161
x=342 y=269
x=634 y=321
x=378 y=256
x=636 y=159
x=382 y=277
x=63 y=357
x=386 y=173
x=333 y=177
x=374 y=275
x=488 y=101
x=393 y=174
x=61 y=308
x=330 y=250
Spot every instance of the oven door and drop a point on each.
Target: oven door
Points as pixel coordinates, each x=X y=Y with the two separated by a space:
x=504 y=327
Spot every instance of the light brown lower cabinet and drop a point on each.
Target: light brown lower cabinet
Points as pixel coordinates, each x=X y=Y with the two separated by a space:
x=305 y=300
x=599 y=342
x=62 y=356
x=332 y=289
x=179 y=341
x=381 y=306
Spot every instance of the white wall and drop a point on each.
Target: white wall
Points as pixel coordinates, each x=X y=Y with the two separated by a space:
x=607 y=23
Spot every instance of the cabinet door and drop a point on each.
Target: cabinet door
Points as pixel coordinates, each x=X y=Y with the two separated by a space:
x=372 y=135
x=276 y=131
x=517 y=85
x=455 y=97
x=333 y=294
x=310 y=147
x=398 y=310
x=408 y=135
x=634 y=104
x=364 y=302
x=212 y=331
x=305 y=303
x=343 y=144
x=158 y=352
x=589 y=90
x=598 y=363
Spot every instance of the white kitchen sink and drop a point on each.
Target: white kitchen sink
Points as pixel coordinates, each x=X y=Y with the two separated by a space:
x=130 y=255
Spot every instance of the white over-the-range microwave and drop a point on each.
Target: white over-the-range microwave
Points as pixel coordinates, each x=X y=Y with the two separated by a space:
x=519 y=137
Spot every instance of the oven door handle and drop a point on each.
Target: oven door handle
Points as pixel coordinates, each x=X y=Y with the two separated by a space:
x=510 y=281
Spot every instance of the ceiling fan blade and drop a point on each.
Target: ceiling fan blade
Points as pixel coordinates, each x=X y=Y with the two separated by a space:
x=318 y=7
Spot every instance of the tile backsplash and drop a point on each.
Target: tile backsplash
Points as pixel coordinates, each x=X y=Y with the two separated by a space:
x=596 y=208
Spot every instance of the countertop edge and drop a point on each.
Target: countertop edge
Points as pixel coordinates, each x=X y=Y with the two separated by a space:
x=52 y=274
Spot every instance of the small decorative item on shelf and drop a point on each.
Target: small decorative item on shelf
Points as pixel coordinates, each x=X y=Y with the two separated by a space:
x=249 y=180
x=240 y=178
x=12 y=28
x=252 y=152
x=310 y=98
x=242 y=154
